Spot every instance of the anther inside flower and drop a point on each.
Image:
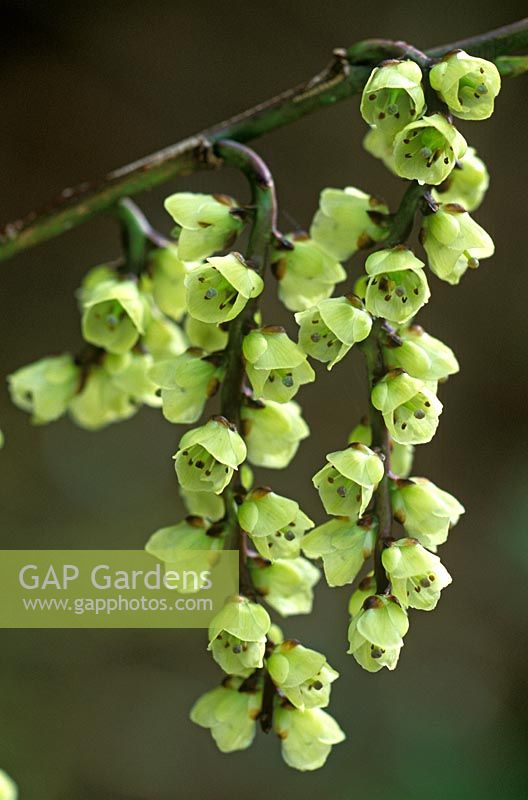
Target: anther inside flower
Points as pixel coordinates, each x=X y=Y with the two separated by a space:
x=410 y=409
x=219 y=290
x=468 y=85
x=330 y=329
x=397 y=287
x=393 y=97
x=428 y=149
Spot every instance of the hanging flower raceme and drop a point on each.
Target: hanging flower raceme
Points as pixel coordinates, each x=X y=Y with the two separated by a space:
x=221 y=288
x=468 y=85
x=466 y=185
x=230 y=712
x=207 y=456
x=209 y=223
x=426 y=512
x=114 y=313
x=276 y=366
x=416 y=576
x=376 y=633
x=393 y=97
x=45 y=388
x=275 y=523
x=397 y=287
x=344 y=545
x=286 y=584
x=347 y=221
x=166 y=281
x=306 y=272
x=237 y=636
x=272 y=432
x=428 y=149
x=410 y=409
x=419 y=354
x=186 y=382
x=302 y=675
x=454 y=242
x=347 y=482
x=332 y=327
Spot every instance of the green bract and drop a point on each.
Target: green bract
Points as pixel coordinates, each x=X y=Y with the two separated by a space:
x=454 y=242
x=185 y=382
x=348 y=220
x=305 y=271
x=347 y=482
x=466 y=184
x=114 y=315
x=220 y=289
x=416 y=576
x=393 y=97
x=397 y=287
x=276 y=366
x=425 y=511
x=209 y=223
x=237 y=636
x=8 y=788
x=208 y=455
x=286 y=584
x=378 y=146
x=272 y=432
x=303 y=676
x=468 y=85
x=276 y=524
x=410 y=410
x=328 y=331
x=230 y=712
x=344 y=545
x=168 y=273
x=206 y=335
x=427 y=150
x=306 y=736
x=420 y=355
x=45 y=388
x=376 y=633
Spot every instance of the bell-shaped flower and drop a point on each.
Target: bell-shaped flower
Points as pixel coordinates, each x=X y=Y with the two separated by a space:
x=221 y=288
x=419 y=354
x=163 y=338
x=332 y=327
x=209 y=223
x=427 y=150
x=100 y=401
x=207 y=335
x=237 y=636
x=302 y=675
x=276 y=366
x=286 y=584
x=275 y=523
x=230 y=712
x=426 y=512
x=410 y=409
x=272 y=432
x=114 y=315
x=208 y=455
x=167 y=281
x=467 y=85
x=466 y=185
x=204 y=504
x=393 y=97
x=347 y=221
x=186 y=382
x=380 y=147
x=397 y=287
x=131 y=375
x=45 y=388
x=306 y=272
x=306 y=736
x=376 y=633
x=344 y=545
x=416 y=576
x=347 y=482
x=454 y=242
x=8 y=788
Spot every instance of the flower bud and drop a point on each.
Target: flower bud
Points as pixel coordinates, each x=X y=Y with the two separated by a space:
x=401 y=458
x=397 y=287
x=114 y=315
x=276 y=524
x=276 y=366
x=347 y=482
x=45 y=388
x=237 y=636
x=186 y=382
x=286 y=584
x=206 y=335
x=306 y=272
x=332 y=327
x=416 y=576
x=376 y=633
x=306 y=736
x=393 y=97
x=221 y=288
x=344 y=546
x=8 y=788
x=347 y=221
x=208 y=455
x=428 y=149
x=466 y=185
x=273 y=432
x=303 y=676
x=361 y=433
x=425 y=511
x=420 y=355
x=168 y=273
x=410 y=410
x=209 y=223
x=454 y=242
x=468 y=85
x=230 y=712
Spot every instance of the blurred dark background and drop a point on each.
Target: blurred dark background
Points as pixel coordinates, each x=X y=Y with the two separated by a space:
x=86 y=87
